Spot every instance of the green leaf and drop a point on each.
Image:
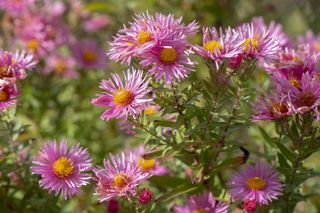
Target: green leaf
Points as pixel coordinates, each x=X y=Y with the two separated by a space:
x=178 y=191
x=286 y=152
x=165 y=123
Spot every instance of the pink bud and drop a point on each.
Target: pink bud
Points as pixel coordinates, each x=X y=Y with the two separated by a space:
x=145 y=196
x=250 y=205
x=113 y=206
x=235 y=62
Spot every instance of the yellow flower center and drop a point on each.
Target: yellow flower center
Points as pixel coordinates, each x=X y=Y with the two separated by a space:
x=200 y=211
x=150 y=110
x=60 y=67
x=89 y=56
x=210 y=46
x=256 y=183
x=144 y=37
x=123 y=97
x=295 y=83
x=33 y=45
x=147 y=164
x=168 y=55
x=4 y=71
x=121 y=181
x=4 y=96
x=250 y=43
x=63 y=167
x=316 y=45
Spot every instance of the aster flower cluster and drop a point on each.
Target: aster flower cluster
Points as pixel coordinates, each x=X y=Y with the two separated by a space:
x=13 y=67
x=158 y=43
x=43 y=30
x=296 y=85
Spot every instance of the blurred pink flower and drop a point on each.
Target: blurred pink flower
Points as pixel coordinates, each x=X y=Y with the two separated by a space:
x=8 y=94
x=61 y=66
x=16 y=7
x=96 y=23
x=89 y=55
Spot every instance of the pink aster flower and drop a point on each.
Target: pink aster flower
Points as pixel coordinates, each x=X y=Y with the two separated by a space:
x=14 y=65
x=202 y=203
x=170 y=60
x=61 y=66
x=8 y=94
x=293 y=63
x=219 y=45
x=15 y=7
x=62 y=170
x=304 y=95
x=120 y=176
x=89 y=55
x=272 y=107
x=145 y=33
x=260 y=183
x=258 y=42
x=312 y=40
x=126 y=98
x=152 y=166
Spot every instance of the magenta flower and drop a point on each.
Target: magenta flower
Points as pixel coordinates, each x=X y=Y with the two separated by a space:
x=8 y=94
x=312 y=40
x=170 y=60
x=120 y=176
x=260 y=183
x=272 y=107
x=15 y=7
x=61 y=66
x=293 y=63
x=204 y=203
x=304 y=95
x=14 y=65
x=89 y=55
x=258 y=42
x=145 y=33
x=219 y=45
x=62 y=170
x=123 y=99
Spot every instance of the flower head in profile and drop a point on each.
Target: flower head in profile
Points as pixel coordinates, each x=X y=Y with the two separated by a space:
x=89 y=55
x=145 y=32
x=312 y=40
x=120 y=176
x=260 y=183
x=126 y=98
x=62 y=169
x=8 y=94
x=204 y=203
x=169 y=61
x=219 y=45
x=61 y=66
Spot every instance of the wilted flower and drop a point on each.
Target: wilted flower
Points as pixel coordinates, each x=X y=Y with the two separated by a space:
x=89 y=55
x=62 y=170
x=202 y=204
x=259 y=183
x=123 y=99
x=120 y=176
